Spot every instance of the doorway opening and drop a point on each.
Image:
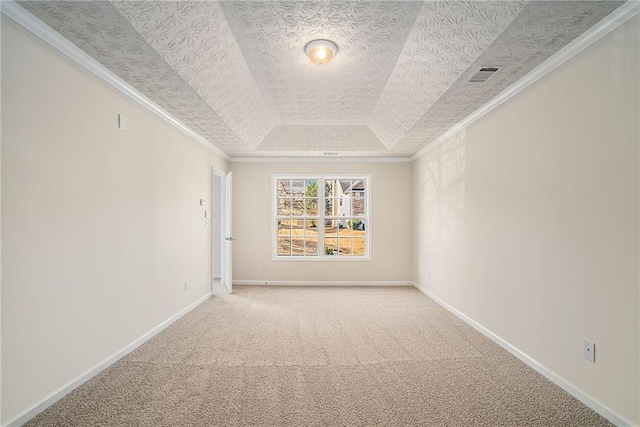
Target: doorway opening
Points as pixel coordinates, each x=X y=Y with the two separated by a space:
x=220 y=247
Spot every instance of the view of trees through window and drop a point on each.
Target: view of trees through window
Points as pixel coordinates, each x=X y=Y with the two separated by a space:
x=321 y=217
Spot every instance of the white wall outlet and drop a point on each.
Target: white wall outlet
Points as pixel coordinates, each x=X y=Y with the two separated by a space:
x=589 y=351
x=266 y=266
x=201 y=202
x=122 y=122
x=186 y=285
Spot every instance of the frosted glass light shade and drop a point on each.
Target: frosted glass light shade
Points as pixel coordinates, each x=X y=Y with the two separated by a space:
x=321 y=51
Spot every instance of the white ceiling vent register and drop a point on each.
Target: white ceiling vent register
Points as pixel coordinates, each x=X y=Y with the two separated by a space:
x=483 y=74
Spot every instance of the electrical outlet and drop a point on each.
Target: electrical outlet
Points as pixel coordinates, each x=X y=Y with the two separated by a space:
x=266 y=266
x=186 y=285
x=589 y=351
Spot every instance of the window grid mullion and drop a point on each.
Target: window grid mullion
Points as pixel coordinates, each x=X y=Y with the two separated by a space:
x=304 y=220
x=321 y=196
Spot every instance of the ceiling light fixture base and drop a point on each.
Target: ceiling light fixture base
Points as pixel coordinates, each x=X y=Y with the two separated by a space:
x=321 y=51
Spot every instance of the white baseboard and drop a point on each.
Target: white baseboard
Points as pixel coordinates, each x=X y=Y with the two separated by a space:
x=319 y=283
x=576 y=392
x=70 y=386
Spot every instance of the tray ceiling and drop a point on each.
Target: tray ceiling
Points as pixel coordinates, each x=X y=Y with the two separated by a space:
x=236 y=73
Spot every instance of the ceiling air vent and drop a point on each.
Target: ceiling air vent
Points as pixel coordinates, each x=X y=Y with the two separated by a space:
x=483 y=74
x=330 y=153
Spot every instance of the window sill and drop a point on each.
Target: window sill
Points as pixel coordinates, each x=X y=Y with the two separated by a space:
x=320 y=259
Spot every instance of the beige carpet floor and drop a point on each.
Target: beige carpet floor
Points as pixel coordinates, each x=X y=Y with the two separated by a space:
x=301 y=356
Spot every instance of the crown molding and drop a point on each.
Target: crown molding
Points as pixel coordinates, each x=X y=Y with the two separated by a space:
x=24 y=18
x=17 y=13
x=612 y=21
x=321 y=160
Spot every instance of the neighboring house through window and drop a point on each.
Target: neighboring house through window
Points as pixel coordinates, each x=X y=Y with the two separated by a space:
x=321 y=217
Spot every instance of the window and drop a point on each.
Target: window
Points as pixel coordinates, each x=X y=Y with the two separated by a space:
x=322 y=217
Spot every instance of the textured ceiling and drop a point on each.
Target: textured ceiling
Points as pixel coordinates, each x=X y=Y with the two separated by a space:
x=370 y=36
x=236 y=73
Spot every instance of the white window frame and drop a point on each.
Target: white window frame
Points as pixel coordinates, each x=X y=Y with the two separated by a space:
x=321 y=196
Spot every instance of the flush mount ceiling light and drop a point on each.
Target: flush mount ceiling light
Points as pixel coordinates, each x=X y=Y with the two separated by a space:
x=321 y=51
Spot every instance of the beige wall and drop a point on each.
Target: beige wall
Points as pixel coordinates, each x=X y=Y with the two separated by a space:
x=528 y=221
x=100 y=226
x=391 y=210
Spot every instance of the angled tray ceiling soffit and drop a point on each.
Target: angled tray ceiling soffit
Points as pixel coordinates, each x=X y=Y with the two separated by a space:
x=235 y=72
x=539 y=31
x=99 y=29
